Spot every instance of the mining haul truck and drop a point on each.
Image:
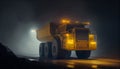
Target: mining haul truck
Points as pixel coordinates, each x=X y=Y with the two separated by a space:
x=59 y=39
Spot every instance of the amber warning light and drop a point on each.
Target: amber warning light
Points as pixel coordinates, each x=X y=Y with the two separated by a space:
x=65 y=21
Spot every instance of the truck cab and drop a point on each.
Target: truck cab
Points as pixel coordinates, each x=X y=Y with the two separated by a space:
x=75 y=36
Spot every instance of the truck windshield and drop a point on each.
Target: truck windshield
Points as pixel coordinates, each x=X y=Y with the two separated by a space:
x=71 y=26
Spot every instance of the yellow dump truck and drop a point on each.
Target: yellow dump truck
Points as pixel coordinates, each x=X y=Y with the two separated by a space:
x=59 y=39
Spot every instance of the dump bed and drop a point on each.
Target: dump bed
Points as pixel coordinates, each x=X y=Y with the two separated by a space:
x=47 y=32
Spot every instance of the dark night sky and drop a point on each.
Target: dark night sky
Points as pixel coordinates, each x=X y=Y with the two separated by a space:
x=17 y=17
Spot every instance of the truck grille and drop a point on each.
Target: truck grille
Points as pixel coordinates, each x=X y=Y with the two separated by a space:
x=82 y=44
x=82 y=38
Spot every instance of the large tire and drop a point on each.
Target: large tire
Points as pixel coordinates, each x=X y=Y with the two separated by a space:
x=58 y=52
x=48 y=50
x=41 y=51
x=83 y=54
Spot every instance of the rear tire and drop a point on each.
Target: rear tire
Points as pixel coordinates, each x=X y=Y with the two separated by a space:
x=41 y=50
x=83 y=54
x=58 y=52
x=48 y=50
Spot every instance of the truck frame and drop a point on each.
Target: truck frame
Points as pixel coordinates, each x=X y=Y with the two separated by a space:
x=59 y=39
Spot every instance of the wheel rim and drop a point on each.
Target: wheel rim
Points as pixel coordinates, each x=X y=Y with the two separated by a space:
x=46 y=50
x=54 y=49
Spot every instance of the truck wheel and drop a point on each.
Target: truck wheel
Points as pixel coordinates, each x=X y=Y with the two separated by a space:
x=66 y=53
x=58 y=52
x=48 y=50
x=83 y=54
x=54 y=49
x=41 y=50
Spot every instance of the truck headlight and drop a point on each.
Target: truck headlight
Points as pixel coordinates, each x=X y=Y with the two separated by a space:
x=70 y=41
x=91 y=37
x=93 y=43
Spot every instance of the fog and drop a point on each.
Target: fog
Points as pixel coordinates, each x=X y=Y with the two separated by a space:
x=17 y=21
x=17 y=18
